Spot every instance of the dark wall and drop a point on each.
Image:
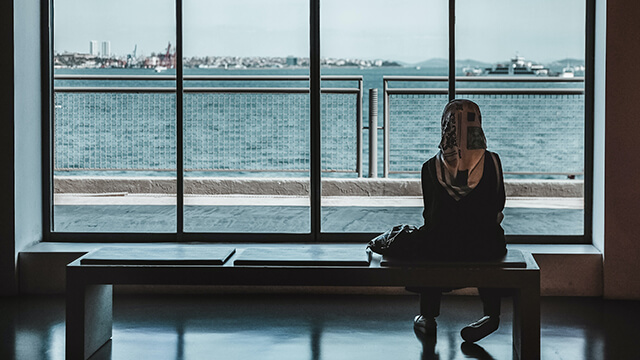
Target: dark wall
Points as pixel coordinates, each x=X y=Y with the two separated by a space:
x=622 y=142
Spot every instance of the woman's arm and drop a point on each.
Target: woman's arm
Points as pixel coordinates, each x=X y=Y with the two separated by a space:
x=426 y=181
x=501 y=192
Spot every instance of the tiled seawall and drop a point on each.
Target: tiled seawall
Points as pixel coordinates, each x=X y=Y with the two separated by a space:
x=292 y=186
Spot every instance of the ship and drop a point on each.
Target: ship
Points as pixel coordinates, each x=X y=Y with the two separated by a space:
x=517 y=66
x=567 y=72
x=472 y=71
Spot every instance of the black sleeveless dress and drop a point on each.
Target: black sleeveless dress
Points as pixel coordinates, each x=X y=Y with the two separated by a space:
x=466 y=229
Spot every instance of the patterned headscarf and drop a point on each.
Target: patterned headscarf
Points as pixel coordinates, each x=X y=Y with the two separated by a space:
x=460 y=162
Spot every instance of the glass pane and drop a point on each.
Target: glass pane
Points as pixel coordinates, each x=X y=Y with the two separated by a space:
x=533 y=111
x=114 y=135
x=246 y=116
x=363 y=45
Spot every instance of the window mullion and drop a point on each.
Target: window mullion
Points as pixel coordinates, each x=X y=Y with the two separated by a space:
x=452 y=49
x=179 y=125
x=589 y=117
x=46 y=48
x=314 y=101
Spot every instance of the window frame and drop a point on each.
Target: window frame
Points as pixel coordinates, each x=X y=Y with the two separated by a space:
x=315 y=174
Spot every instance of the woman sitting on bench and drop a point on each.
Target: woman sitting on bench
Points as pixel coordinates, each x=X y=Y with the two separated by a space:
x=464 y=197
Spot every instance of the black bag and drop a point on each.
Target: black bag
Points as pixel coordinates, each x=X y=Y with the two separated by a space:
x=399 y=242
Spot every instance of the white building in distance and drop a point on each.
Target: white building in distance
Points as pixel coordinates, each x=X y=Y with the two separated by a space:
x=106 y=49
x=93 y=47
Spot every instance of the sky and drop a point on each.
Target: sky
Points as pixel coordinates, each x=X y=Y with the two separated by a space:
x=409 y=31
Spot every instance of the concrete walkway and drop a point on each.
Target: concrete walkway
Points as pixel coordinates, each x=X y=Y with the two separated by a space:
x=289 y=214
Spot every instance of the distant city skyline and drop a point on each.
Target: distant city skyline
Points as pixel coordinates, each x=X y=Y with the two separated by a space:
x=408 y=31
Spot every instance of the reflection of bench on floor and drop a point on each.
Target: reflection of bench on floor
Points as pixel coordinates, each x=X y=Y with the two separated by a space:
x=90 y=279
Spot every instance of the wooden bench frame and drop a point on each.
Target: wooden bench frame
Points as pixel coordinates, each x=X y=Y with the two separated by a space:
x=90 y=290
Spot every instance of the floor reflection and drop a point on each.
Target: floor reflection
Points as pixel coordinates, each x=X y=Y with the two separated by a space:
x=315 y=327
x=428 y=346
x=475 y=351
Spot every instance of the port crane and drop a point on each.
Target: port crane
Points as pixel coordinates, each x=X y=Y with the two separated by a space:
x=168 y=58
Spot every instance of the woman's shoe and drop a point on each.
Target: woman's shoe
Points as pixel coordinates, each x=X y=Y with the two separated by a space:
x=425 y=325
x=480 y=329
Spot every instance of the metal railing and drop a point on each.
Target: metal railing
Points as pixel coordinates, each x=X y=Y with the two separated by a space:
x=226 y=128
x=238 y=126
x=536 y=130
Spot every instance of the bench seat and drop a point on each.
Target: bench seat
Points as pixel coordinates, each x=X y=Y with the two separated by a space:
x=90 y=280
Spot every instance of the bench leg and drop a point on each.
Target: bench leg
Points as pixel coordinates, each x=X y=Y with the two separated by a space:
x=526 y=323
x=88 y=318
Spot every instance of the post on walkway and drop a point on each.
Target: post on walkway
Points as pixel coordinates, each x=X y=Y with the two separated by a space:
x=373 y=133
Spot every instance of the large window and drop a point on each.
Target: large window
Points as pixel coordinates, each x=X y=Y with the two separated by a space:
x=308 y=120
x=534 y=110
x=379 y=40
x=114 y=117
x=246 y=116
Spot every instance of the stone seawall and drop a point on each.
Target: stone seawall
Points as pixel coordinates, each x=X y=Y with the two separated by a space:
x=292 y=186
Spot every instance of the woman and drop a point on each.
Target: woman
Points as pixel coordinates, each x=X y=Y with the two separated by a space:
x=464 y=197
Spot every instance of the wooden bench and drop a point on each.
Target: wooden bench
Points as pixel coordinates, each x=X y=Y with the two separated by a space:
x=90 y=279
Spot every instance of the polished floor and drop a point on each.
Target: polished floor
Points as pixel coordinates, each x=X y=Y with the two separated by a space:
x=313 y=327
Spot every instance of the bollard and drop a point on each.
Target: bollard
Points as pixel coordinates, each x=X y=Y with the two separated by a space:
x=373 y=133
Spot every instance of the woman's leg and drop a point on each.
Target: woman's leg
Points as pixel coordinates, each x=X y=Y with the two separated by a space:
x=430 y=299
x=425 y=322
x=491 y=299
x=490 y=322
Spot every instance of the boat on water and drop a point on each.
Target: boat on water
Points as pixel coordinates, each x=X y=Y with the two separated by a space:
x=472 y=71
x=567 y=72
x=518 y=66
x=159 y=69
